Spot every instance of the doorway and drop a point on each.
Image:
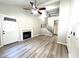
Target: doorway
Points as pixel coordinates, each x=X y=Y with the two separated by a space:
x=9 y=30
x=55 y=29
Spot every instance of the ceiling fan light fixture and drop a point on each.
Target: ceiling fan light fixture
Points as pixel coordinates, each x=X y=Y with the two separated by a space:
x=42 y=8
x=39 y=12
x=34 y=12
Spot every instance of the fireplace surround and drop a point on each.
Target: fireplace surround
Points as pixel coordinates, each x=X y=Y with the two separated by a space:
x=26 y=33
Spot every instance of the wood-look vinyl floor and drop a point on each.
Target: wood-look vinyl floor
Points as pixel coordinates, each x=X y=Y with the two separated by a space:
x=38 y=47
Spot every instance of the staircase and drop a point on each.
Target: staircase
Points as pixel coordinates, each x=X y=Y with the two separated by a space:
x=49 y=29
x=46 y=30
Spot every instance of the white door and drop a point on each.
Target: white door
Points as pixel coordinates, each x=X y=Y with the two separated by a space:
x=10 y=31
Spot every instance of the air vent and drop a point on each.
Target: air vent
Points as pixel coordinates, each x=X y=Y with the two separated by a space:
x=9 y=19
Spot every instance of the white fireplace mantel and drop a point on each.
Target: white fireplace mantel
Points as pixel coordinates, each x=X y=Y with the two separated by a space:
x=26 y=30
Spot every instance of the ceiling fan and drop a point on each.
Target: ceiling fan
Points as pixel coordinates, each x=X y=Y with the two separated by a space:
x=35 y=8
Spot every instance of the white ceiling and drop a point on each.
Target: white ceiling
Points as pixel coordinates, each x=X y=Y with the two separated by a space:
x=25 y=3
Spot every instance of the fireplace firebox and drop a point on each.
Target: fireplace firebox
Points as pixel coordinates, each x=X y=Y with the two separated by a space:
x=26 y=35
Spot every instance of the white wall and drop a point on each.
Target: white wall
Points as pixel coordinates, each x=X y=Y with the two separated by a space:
x=68 y=20
x=63 y=20
x=24 y=19
x=0 y=31
x=74 y=26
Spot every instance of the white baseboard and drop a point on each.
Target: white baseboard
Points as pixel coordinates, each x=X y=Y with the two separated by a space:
x=35 y=35
x=62 y=43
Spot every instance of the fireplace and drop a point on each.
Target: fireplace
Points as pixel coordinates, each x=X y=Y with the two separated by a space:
x=26 y=35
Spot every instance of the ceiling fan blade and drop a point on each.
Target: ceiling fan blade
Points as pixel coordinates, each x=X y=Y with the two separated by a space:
x=31 y=3
x=33 y=6
x=27 y=8
x=42 y=8
x=39 y=12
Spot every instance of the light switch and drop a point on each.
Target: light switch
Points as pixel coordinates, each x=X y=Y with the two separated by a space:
x=73 y=33
x=68 y=36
